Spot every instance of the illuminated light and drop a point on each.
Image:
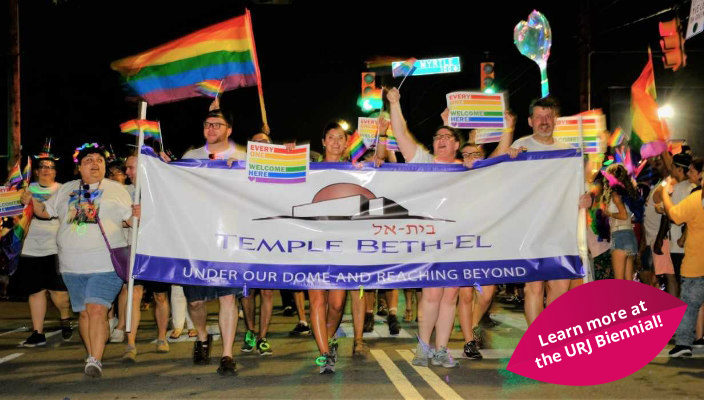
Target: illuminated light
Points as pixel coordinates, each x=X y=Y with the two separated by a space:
x=489 y=90
x=344 y=125
x=432 y=66
x=666 y=111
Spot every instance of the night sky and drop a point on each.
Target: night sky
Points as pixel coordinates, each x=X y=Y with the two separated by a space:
x=311 y=58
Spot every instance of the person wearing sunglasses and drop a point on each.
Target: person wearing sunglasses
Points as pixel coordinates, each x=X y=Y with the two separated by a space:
x=82 y=206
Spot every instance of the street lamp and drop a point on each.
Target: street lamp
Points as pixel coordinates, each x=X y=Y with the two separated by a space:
x=666 y=111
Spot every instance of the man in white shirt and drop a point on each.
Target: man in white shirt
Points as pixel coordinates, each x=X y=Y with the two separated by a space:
x=543 y=114
x=217 y=128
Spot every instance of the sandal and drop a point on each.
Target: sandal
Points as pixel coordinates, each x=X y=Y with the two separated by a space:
x=408 y=316
x=192 y=333
x=176 y=334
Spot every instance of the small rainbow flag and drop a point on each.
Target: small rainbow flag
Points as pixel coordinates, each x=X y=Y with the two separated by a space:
x=356 y=146
x=15 y=177
x=616 y=138
x=151 y=128
x=210 y=88
x=27 y=172
x=12 y=240
x=474 y=110
x=648 y=132
x=391 y=143
x=406 y=68
x=271 y=163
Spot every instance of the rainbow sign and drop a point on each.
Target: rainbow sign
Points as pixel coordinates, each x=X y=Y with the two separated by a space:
x=567 y=131
x=482 y=136
x=10 y=204
x=271 y=163
x=367 y=128
x=476 y=110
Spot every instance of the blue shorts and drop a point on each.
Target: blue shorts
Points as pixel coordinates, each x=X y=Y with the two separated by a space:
x=197 y=293
x=624 y=240
x=99 y=288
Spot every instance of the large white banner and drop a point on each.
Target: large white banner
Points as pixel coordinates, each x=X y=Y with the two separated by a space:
x=402 y=225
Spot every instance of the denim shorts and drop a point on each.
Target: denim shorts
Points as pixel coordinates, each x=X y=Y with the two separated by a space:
x=196 y=293
x=99 y=288
x=624 y=240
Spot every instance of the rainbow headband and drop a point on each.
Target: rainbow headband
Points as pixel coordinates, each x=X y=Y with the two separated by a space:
x=106 y=153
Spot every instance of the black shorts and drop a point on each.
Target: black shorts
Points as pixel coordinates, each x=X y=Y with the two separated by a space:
x=153 y=287
x=196 y=293
x=40 y=273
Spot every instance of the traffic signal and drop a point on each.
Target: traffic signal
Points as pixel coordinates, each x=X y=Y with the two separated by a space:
x=487 y=77
x=672 y=44
x=371 y=96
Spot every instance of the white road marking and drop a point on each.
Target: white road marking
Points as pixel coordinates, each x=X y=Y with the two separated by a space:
x=402 y=384
x=10 y=357
x=22 y=329
x=435 y=382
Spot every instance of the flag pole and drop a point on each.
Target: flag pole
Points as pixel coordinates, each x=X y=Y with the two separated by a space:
x=250 y=35
x=582 y=222
x=135 y=220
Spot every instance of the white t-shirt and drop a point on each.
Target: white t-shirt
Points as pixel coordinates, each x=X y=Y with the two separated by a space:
x=41 y=238
x=202 y=153
x=423 y=156
x=533 y=145
x=679 y=192
x=82 y=249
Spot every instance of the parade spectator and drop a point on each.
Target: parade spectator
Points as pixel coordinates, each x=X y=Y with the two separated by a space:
x=159 y=289
x=116 y=171
x=598 y=233
x=621 y=200
x=38 y=265
x=680 y=168
x=81 y=206
x=689 y=211
x=217 y=128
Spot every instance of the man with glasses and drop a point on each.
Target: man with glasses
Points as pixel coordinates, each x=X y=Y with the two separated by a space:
x=217 y=129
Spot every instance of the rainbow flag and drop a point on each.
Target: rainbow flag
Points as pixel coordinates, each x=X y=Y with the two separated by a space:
x=151 y=128
x=11 y=241
x=27 y=172
x=271 y=163
x=472 y=110
x=616 y=138
x=171 y=72
x=391 y=143
x=567 y=131
x=210 y=88
x=406 y=68
x=15 y=177
x=648 y=133
x=355 y=146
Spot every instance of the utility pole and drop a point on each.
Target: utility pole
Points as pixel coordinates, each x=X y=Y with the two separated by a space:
x=585 y=47
x=13 y=140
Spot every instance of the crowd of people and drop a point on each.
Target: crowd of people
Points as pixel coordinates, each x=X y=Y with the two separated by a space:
x=646 y=224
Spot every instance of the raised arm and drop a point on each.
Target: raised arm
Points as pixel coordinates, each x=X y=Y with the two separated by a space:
x=507 y=135
x=406 y=142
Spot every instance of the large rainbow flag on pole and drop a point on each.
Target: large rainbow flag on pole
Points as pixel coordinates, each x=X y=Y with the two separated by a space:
x=224 y=52
x=648 y=133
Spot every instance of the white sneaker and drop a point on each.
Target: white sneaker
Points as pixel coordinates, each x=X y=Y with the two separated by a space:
x=93 y=368
x=112 y=322
x=117 y=336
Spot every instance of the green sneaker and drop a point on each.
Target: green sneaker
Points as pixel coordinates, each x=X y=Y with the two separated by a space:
x=250 y=341
x=263 y=347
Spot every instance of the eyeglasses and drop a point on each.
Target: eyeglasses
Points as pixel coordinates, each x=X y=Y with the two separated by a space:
x=476 y=154
x=446 y=136
x=214 y=125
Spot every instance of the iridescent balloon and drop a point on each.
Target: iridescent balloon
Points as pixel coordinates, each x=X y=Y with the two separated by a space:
x=533 y=39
